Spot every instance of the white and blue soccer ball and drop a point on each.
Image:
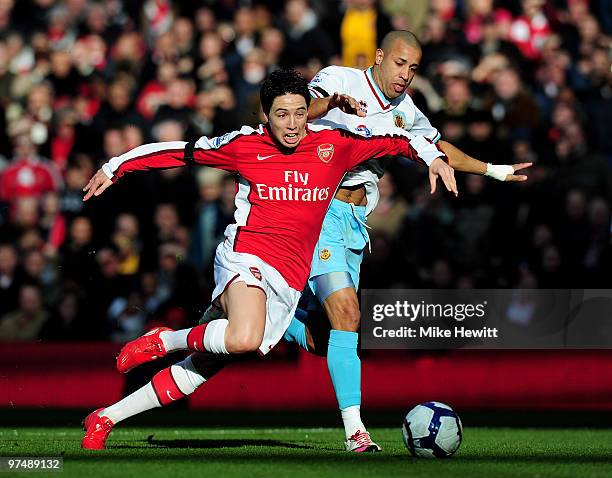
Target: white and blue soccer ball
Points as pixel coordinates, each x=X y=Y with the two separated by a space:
x=432 y=430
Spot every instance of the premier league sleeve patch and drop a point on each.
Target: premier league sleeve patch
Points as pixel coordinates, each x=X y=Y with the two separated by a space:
x=325 y=254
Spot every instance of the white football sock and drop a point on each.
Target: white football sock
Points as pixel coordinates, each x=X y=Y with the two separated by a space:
x=175 y=340
x=214 y=336
x=351 y=416
x=137 y=402
x=184 y=374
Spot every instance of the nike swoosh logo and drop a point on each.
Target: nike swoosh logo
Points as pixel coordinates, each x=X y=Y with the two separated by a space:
x=170 y=396
x=261 y=158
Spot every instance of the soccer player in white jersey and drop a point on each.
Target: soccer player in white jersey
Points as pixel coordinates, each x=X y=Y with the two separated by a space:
x=379 y=101
x=287 y=175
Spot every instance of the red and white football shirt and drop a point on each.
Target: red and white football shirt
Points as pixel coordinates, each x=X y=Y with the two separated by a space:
x=283 y=195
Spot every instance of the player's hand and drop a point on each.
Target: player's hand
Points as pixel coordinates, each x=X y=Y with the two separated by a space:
x=97 y=185
x=505 y=172
x=518 y=167
x=440 y=169
x=347 y=104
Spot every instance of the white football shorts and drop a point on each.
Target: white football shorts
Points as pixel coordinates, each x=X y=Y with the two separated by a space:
x=281 y=300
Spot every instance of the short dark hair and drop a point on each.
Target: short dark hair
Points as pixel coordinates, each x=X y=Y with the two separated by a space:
x=282 y=82
x=405 y=36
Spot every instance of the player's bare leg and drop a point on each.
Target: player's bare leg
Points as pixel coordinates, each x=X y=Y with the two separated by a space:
x=342 y=309
x=168 y=385
x=245 y=307
x=240 y=333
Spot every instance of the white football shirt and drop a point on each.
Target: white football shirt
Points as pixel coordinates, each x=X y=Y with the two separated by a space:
x=381 y=116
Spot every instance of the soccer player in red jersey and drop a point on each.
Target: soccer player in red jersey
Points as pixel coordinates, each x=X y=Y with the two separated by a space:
x=287 y=174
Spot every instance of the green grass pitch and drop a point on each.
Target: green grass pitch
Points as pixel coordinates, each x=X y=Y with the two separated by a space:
x=312 y=452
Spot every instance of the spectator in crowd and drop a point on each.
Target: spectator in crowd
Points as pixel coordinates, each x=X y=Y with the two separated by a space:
x=177 y=185
x=40 y=271
x=126 y=318
x=473 y=222
x=78 y=252
x=63 y=77
x=217 y=192
x=597 y=253
x=179 y=102
x=166 y=229
x=28 y=175
x=272 y=44
x=71 y=201
x=177 y=286
x=10 y=278
x=305 y=40
x=6 y=75
x=247 y=84
x=25 y=219
x=359 y=39
x=53 y=224
x=118 y=110
x=155 y=92
x=530 y=30
x=112 y=290
x=26 y=322
x=127 y=241
x=63 y=141
x=210 y=68
x=511 y=104
x=68 y=320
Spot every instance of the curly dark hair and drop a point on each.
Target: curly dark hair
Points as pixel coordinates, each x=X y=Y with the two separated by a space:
x=282 y=82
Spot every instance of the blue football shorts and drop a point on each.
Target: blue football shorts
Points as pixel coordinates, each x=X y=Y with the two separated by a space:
x=338 y=254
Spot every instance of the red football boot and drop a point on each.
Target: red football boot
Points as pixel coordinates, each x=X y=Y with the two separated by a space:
x=144 y=349
x=97 y=429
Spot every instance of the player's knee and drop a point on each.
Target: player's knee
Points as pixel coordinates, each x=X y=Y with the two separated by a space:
x=345 y=313
x=242 y=342
x=351 y=319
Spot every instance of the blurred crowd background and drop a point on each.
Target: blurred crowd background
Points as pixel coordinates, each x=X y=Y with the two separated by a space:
x=82 y=80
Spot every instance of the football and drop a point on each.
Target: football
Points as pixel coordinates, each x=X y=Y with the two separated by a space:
x=432 y=430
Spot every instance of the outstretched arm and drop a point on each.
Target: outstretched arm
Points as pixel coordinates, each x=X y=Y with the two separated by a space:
x=416 y=148
x=147 y=156
x=349 y=105
x=215 y=152
x=463 y=162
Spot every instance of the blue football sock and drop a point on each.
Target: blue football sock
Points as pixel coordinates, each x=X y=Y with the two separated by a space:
x=344 y=367
x=296 y=332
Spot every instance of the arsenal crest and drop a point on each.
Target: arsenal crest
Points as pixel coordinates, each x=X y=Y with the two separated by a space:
x=255 y=272
x=325 y=152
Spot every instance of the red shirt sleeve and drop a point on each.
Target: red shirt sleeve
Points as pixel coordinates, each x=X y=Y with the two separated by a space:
x=360 y=148
x=217 y=152
x=148 y=156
